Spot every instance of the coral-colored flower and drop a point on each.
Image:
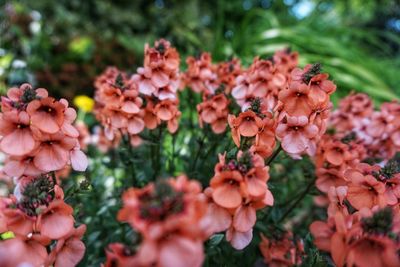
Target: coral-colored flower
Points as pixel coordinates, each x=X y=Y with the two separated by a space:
x=282 y=250
x=118 y=254
x=168 y=214
x=17 y=137
x=53 y=152
x=364 y=190
x=239 y=240
x=201 y=74
x=227 y=189
x=214 y=110
x=237 y=190
x=69 y=250
x=37 y=133
x=46 y=114
x=296 y=134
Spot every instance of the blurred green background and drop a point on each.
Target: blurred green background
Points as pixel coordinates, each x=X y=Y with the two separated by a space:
x=62 y=45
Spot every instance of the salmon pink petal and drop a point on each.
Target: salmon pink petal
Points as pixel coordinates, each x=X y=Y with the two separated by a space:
x=239 y=240
x=294 y=143
x=14 y=168
x=338 y=249
x=311 y=130
x=41 y=92
x=135 y=140
x=147 y=253
x=14 y=93
x=322 y=235
x=51 y=158
x=334 y=157
x=279 y=79
x=256 y=187
x=45 y=122
x=248 y=128
x=391 y=198
x=165 y=114
x=209 y=115
x=327 y=86
x=24 y=117
x=269 y=198
x=220 y=217
x=359 y=197
x=172 y=125
x=236 y=137
x=244 y=218
x=163 y=95
x=18 y=143
x=146 y=87
x=70 y=115
x=396 y=138
x=118 y=121
x=354 y=176
x=135 y=125
x=21 y=226
x=35 y=254
x=79 y=160
x=69 y=130
x=181 y=252
x=227 y=196
x=150 y=120
x=239 y=91
x=71 y=254
x=218 y=126
x=159 y=79
x=56 y=225
x=130 y=107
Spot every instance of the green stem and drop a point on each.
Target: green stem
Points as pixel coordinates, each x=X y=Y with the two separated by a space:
x=172 y=159
x=274 y=155
x=197 y=155
x=157 y=153
x=132 y=164
x=190 y=96
x=298 y=200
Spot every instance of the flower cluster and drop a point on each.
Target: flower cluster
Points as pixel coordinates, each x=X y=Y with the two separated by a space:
x=168 y=215
x=237 y=190
x=158 y=80
x=118 y=105
x=214 y=111
x=42 y=225
x=304 y=108
x=379 y=131
x=363 y=214
x=292 y=108
x=254 y=128
x=214 y=82
x=129 y=104
x=333 y=157
x=368 y=237
x=202 y=76
x=37 y=133
x=282 y=250
x=264 y=79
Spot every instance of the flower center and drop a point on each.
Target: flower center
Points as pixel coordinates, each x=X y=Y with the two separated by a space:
x=380 y=222
x=161 y=203
x=36 y=194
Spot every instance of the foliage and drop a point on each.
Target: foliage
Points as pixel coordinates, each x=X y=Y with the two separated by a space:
x=350 y=43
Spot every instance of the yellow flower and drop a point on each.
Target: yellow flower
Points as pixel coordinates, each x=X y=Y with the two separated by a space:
x=84 y=103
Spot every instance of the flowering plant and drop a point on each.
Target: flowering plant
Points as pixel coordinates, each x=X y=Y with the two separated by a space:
x=270 y=160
